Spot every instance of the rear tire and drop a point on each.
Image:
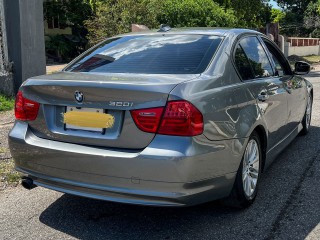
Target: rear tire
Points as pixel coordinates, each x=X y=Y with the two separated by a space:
x=307 y=117
x=246 y=184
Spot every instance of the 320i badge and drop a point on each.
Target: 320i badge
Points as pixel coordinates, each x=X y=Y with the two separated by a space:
x=174 y=117
x=120 y=104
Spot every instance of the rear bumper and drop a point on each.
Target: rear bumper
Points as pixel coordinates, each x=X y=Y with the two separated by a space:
x=176 y=194
x=171 y=171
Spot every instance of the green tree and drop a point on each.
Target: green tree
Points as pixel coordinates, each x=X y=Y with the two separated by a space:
x=226 y=4
x=192 y=13
x=69 y=13
x=294 y=5
x=312 y=18
x=293 y=22
x=116 y=16
x=105 y=18
x=250 y=13
x=277 y=15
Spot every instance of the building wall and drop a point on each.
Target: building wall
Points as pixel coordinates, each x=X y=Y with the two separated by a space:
x=303 y=42
x=302 y=46
x=302 y=51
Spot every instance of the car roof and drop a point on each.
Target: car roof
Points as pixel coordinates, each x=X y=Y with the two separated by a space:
x=197 y=30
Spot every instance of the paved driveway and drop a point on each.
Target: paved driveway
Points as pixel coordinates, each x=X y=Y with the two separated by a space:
x=287 y=207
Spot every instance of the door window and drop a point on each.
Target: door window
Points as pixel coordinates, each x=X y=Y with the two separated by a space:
x=258 y=60
x=281 y=65
x=243 y=64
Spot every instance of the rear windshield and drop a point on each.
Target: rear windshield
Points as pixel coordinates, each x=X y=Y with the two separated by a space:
x=151 y=54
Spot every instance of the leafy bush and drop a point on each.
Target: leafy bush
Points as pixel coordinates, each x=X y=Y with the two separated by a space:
x=65 y=47
x=70 y=13
x=116 y=17
x=196 y=13
x=6 y=103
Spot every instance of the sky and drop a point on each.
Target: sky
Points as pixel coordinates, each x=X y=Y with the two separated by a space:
x=274 y=4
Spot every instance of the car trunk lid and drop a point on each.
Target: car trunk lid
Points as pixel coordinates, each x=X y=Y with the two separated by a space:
x=113 y=95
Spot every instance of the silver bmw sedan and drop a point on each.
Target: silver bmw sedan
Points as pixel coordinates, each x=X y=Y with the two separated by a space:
x=174 y=117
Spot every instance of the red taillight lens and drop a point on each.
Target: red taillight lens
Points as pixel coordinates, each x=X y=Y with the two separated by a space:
x=180 y=118
x=25 y=109
x=147 y=120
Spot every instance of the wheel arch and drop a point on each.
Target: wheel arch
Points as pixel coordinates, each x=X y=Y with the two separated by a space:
x=260 y=130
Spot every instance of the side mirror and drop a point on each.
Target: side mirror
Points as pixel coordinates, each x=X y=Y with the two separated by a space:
x=302 y=68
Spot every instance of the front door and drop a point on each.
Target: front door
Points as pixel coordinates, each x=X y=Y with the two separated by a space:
x=294 y=85
x=270 y=92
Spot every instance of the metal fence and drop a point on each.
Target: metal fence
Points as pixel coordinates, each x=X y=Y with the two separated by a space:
x=4 y=62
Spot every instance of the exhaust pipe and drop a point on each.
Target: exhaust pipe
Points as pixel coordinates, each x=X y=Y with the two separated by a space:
x=27 y=183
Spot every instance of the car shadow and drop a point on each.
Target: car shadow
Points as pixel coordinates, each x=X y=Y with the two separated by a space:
x=269 y=217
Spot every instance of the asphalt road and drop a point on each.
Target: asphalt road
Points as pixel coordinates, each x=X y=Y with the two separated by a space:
x=287 y=207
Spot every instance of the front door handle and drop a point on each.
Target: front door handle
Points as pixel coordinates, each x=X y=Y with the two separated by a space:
x=263 y=96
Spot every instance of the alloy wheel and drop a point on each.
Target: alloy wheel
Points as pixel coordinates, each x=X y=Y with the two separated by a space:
x=308 y=112
x=250 y=170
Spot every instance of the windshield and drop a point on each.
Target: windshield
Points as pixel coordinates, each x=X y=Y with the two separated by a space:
x=150 y=54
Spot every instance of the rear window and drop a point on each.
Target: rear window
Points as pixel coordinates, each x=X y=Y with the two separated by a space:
x=151 y=54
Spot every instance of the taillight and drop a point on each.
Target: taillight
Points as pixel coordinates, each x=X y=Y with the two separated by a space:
x=147 y=120
x=180 y=118
x=25 y=109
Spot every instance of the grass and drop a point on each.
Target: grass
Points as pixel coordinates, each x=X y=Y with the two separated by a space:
x=6 y=103
x=8 y=175
x=312 y=59
x=3 y=150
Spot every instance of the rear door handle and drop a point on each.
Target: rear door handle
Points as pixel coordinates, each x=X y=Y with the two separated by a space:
x=263 y=96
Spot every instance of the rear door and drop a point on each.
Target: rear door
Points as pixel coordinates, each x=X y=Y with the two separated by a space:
x=256 y=71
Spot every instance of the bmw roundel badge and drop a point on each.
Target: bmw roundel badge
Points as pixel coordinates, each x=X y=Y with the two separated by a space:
x=79 y=96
